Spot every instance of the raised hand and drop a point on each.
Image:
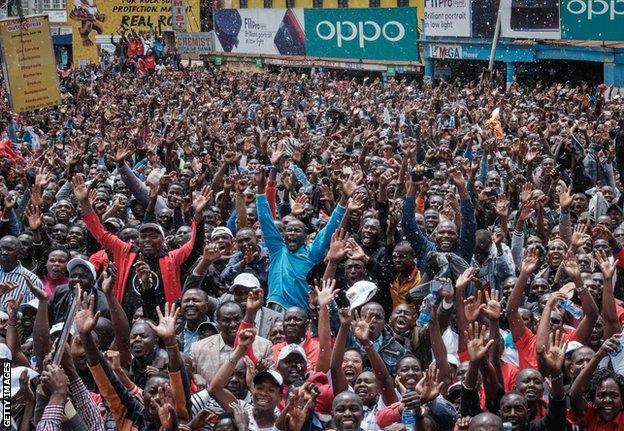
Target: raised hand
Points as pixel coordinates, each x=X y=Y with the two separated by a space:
x=86 y=317
x=55 y=381
x=212 y=253
x=525 y=194
x=80 y=188
x=357 y=202
x=200 y=201
x=579 y=236
x=166 y=323
x=109 y=276
x=612 y=345
x=345 y=316
x=39 y=293
x=465 y=278
x=477 y=348
x=607 y=268
x=473 y=307
x=9 y=203
x=360 y=327
x=7 y=286
x=502 y=206
x=530 y=261
x=338 y=246
x=355 y=252
x=552 y=356
x=327 y=292
x=571 y=266
x=164 y=404
x=300 y=204
x=429 y=386
x=601 y=232
x=255 y=299
x=456 y=176
x=565 y=197
x=493 y=307
x=246 y=337
x=25 y=389
x=352 y=183
x=12 y=306
x=33 y=215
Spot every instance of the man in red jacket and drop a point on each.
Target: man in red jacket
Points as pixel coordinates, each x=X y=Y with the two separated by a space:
x=146 y=275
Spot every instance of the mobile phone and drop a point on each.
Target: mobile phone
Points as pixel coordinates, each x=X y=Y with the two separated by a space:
x=437 y=285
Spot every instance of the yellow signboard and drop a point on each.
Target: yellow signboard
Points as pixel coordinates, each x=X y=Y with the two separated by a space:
x=96 y=18
x=29 y=65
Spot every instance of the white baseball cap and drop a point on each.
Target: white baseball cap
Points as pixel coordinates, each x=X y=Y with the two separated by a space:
x=33 y=303
x=271 y=374
x=81 y=262
x=58 y=327
x=152 y=226
x=246 y=280
x=360 y=293
x=572 y=346
x=220 y=230
x=291 y=348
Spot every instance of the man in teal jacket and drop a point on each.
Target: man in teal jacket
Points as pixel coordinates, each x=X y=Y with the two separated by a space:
x=290 y=258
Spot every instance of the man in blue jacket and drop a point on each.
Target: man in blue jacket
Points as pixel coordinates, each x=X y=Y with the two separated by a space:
x=445 y=234
x=290 y=259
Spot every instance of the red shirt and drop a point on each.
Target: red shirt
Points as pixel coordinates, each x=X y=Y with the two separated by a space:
x=591 y=421
x=526 y=349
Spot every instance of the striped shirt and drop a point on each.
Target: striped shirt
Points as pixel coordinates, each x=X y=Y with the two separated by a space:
x=16 y=275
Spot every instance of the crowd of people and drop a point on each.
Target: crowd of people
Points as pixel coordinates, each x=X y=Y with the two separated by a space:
x=287 y=251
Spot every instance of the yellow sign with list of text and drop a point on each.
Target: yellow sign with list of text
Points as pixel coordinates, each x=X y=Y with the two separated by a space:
x=30 y=72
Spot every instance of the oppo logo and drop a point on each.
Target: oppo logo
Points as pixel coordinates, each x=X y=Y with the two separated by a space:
x=595 y=7
x=364 y=31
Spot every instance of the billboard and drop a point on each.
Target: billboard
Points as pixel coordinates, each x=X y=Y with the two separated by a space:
x=29 y=64
x=102 y=18
x=447 y=18
x=530 y=19
x=592 y=20
x=363 y=34
x=195 y=43
x=260 y=31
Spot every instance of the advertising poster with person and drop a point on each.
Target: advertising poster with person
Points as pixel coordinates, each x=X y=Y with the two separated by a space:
x=93 y=22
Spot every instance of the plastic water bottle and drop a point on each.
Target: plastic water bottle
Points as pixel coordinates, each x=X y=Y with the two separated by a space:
x=408 y=417
x=425 y=315
x=574 y=310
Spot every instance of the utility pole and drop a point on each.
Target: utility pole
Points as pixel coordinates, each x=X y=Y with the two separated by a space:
x=497 y=31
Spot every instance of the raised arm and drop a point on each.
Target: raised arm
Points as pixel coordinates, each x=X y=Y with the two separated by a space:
x=609 y=311
x=218 y=384
x=339 y=380
x=361 y=330
x=166 y=332
x=325 y=295
x=119 y=320
x=516 y=324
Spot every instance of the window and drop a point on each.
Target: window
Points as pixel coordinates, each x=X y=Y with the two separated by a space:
x=343 y=3
x=46 y=4
x=243 y=4
x=56 y=4
x=268 y=4
x=403 y=3
x=373 y=3
x=317 y=3
x=290 y=3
